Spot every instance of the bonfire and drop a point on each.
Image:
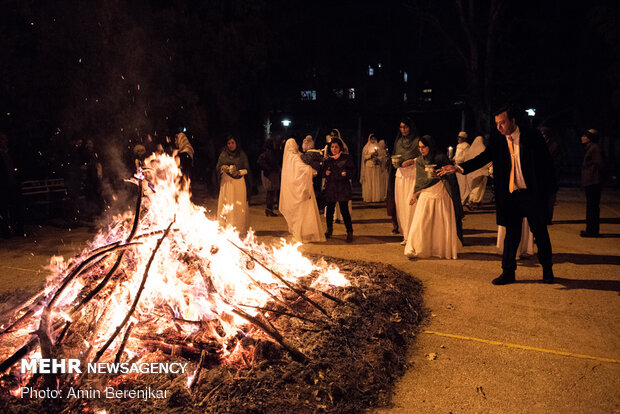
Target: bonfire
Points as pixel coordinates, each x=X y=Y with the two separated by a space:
x=166 y=283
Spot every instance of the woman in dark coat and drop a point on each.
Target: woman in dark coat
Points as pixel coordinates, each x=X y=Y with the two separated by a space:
x=269 y=163
x=338 y=169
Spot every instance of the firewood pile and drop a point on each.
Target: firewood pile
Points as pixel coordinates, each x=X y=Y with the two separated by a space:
x=259 y=328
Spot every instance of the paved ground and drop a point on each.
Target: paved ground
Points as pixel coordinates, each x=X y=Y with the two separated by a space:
x=526 y=347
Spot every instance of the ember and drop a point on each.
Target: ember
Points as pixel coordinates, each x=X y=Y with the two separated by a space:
x=165 y=283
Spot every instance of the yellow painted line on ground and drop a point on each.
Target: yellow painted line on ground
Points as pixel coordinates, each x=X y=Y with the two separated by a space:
x=529 y=348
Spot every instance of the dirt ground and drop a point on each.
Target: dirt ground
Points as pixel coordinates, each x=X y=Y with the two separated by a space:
x=525 y=347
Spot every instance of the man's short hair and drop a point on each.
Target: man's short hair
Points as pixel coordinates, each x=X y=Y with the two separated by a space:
x=508 y=108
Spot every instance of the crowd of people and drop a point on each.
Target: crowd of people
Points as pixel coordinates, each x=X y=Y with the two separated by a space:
x=425 y=188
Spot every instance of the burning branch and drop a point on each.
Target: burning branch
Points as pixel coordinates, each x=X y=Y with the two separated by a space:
x=298 y=291
x=136 y=299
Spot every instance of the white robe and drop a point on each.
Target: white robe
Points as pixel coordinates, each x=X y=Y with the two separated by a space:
x=232 y=204
x=297 y=200
x=370 y=176
x=477 y=180
x=404 y=184
x=526 y=244
x=460 y=156
x=433 y=228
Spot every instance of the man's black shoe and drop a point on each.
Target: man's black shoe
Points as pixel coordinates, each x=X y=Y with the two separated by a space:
x=328 y=233
x=504 y=279
x=349 y=237
x=584 y=233
x=548 y=276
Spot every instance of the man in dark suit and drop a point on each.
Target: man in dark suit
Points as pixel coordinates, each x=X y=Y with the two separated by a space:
x=524 y=178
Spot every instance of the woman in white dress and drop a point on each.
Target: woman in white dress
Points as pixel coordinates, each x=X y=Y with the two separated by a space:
x=370 y=176
x=477 y=180
x=460 y=156
x=433 y=229
x=297 y=200
x=405 y=151
x=232 y=204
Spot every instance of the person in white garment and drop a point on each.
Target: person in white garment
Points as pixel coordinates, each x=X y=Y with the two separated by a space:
x=477 y=180
x=297 y=200
x=371 y=166
x=526 y=245
x=433 y=229
x=405 y=151
x=460 y=156
x=232 y=204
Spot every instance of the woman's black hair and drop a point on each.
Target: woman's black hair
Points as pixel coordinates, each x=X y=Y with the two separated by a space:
x=426 y=140
x=338 y=141
x=409 y=122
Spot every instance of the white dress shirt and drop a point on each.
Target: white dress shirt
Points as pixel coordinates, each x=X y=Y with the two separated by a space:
x=516 y=139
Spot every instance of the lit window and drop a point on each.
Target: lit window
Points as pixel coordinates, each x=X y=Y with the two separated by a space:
x=371 y=70
x=405 y=97
x=379 y=65
x=351 y=93
x=405 y=77
x=427 y=90
x=308 y=95
x=339 y=93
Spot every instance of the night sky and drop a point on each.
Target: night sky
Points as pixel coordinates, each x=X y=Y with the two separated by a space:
x=114 y=71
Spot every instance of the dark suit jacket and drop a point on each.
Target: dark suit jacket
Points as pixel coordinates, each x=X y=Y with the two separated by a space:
x=536 y=165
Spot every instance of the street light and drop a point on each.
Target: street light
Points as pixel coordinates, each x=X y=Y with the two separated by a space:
x=286 y=123
x=531 y=111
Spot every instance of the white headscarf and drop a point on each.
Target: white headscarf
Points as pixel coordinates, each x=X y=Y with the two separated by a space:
x=296 y=182
x=308 y=143
x=183 y=144
x=367 y=151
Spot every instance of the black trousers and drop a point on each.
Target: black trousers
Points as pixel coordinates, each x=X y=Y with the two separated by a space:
x=270 y=199
x=524 y=204
x=593 y=210
x=344 y=210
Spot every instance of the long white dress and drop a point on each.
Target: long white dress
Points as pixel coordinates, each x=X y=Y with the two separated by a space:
x=433 y=228
x=297 y=200
x=370 y=176
x=232 y=204
x=477 y=180
x=526 y=244
x=460 y=156
x=404 y=184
